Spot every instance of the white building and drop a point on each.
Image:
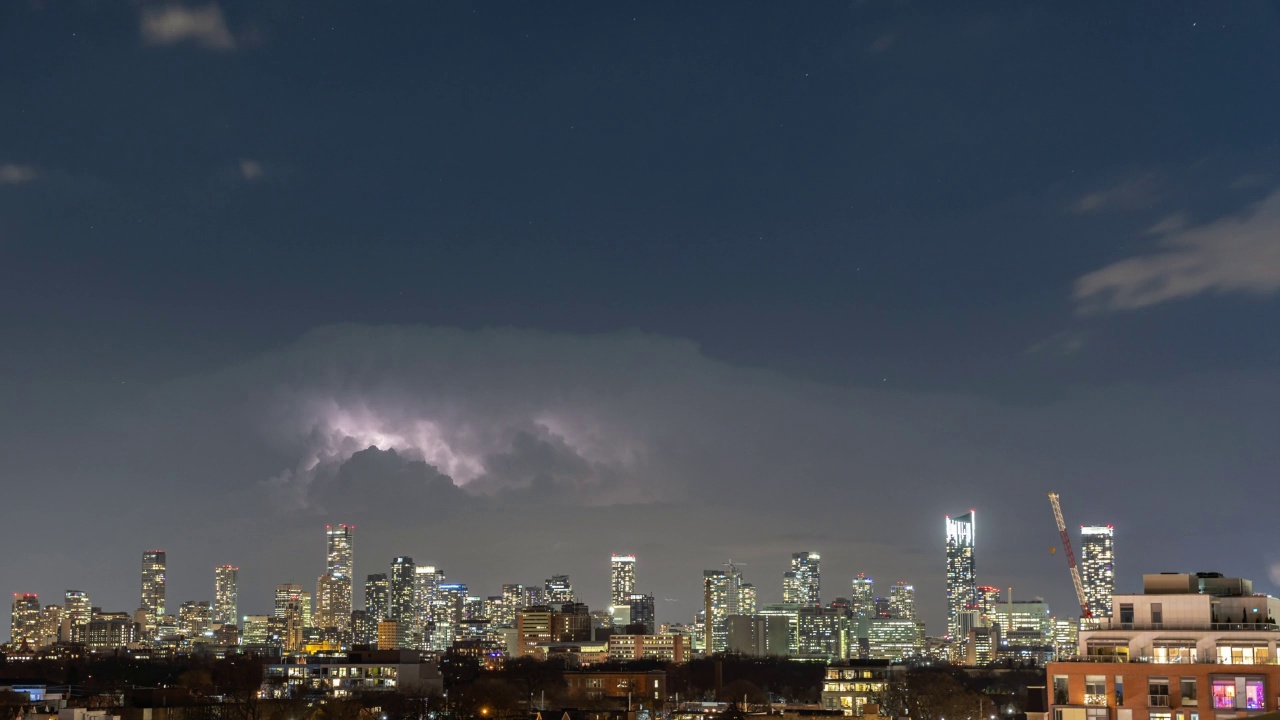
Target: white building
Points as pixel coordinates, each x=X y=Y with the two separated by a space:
x=1187 y=618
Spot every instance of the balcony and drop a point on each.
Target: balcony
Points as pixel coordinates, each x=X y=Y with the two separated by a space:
x=1158 y=701
x=1095 y=699
x=1199 y=627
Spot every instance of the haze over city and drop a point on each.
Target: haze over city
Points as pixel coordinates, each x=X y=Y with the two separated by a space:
x=511 y=289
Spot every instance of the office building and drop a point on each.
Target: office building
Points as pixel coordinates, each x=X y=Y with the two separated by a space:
x=77 y=611
x=988 y=599
x=802 y=584
x=333 y=604
x=722 y=595
x=759 y=635
x=622 y=578
x=109 y=631
x=1097 y=568
x=377 y=596
x=339 y=552
x=153 y=588
x=896 y=639
x=226 y=595
x=962 y=578
x=50 y=624
x=256 y=630
x=791 y=612
x=401 y=592
x=558 y=589
x=747 y=599
x=902 y=601
x=824 y=632
x=663 y=648
x=194 y=618
x=1024 y=623
x=426 y=585
x=291 y=609
x=25 y=620
x=364 y=628
x=862 y=600
x=390 y=635
x=642 y=612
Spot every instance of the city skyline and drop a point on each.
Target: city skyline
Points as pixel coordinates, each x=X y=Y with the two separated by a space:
x=408 y=588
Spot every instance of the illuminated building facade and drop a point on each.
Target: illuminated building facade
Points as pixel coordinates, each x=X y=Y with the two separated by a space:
x=962 y=578
x=902 y=601
x=803 y=583
x=50 y=624
x=77 y=611
x=338 y=581
x=558 y=589
x=862 y=599
x=153 y=587
x=426 y=587
x=988 y=599
x=896 y=639
x=1097 y=568
x=747 y=599
x=377 y=596
x=401 y=591
x=226 y=595
x=25 y=620
x=290 y=601
x=194 y=618
x=622 y=578
x=643 y=612
x=825 y=632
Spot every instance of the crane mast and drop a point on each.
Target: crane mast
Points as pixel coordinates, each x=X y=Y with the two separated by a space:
x=1071 y=556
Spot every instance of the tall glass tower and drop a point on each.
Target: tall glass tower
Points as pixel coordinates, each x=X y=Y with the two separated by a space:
x=1097 y=567
x=153 y=568
x=962 y=578
x=622 y=579
x=803 y=583
x=226 y=595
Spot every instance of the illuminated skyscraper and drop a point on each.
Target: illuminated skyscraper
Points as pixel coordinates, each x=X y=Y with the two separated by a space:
x=746 y=599
x=558 y=589
x=862 y=601
x=339 y=558
x=50 y=624
x=25 y=620
x=716 y=601
x=426 y=585
x=803 y=583
x=642 y=612
x=77 y=611
x=291 y=609
x=377 y=597
x=402 y=578
x=902 y=601
x=226 y=595
x=338 y=580
x=153 y=573
x=962 y=578
x=1097 y=568
x=988 y=600
x=623 y=579
x=193 y=618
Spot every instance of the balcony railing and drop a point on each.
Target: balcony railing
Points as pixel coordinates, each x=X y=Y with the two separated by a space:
x=1158 y=701
x=1218 y=627
x=1095 y=699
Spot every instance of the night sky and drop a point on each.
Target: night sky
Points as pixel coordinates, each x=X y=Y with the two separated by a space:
x=512 y=286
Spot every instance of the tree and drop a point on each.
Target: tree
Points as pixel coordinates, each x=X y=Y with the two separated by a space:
x=934 y=695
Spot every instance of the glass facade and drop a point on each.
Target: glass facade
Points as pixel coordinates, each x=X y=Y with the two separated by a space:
x=962 y=578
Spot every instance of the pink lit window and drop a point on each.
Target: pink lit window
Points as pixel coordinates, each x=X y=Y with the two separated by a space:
x=1224 y=694
x=1254 y=697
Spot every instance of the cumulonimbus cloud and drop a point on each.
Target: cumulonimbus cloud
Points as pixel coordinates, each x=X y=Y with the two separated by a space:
x=204 y=26
x=1238 y=253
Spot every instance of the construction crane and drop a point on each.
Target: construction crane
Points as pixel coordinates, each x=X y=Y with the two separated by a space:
x=1071 y=556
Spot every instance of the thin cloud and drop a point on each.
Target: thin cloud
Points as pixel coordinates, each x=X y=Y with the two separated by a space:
x=14 y=174
x=882 y=43
x=204 y=26
x=1131 y=194
x=251 y=169
x=1235 y=254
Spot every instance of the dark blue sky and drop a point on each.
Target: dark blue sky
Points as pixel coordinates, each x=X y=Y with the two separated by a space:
x=1053 y=225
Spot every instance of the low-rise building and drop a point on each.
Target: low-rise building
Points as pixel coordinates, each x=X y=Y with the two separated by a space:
x=360 y=671
x=649 y=688
x=850 y=688
x=667 y=647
